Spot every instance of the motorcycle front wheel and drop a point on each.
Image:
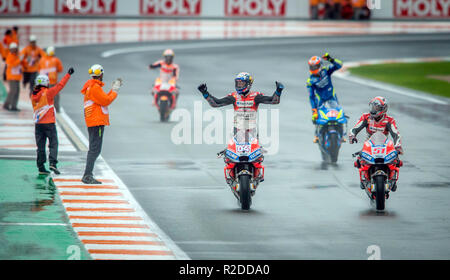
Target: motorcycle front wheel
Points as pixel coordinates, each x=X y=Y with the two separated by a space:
x=380 y=198
x=163 y=107
x=245 y=197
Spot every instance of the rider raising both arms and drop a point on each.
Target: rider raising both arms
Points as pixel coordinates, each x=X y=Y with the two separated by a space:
x=319 y=85
x=245 y=103
x=377 y=120
x=243 y=83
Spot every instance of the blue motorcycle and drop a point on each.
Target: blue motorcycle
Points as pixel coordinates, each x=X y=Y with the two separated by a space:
x=331 y=128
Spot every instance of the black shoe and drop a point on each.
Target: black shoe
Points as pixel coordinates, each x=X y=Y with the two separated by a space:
x=15 y=109
x=361 y=185
x=43 y=171
x=89 y=179
x=54 y=169
x=394 y=187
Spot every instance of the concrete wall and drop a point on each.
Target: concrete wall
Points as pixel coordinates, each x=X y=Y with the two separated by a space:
x=381 y=9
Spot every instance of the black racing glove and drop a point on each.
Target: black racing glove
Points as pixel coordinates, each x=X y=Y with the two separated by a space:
x=279 y=89
x=328 y=57
x=71 y=71
x=204 y=90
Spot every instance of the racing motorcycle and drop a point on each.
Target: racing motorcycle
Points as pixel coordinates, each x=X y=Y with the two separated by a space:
x=378 y=165
x=243 y=169
x=332 y=126
x=164 y=94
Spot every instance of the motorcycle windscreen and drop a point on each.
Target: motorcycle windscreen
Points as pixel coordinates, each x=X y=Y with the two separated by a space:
x=165 y=78
x=245 y=136
x=378 y=139
x=331 y=104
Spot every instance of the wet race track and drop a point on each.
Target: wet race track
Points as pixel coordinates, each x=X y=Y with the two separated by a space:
x=303 y=210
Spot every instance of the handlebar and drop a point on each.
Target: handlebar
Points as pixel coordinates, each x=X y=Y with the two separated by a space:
x=356 y=154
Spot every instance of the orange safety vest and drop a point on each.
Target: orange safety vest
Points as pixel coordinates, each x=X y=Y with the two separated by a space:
x=13 y=68
x=96 y=103
x=50 y=66
x=43 y=102
x=32 y=56
x=41 y=107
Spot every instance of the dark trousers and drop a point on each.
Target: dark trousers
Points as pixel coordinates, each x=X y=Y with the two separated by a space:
x=95 y=147
x=42 y=132
x=29 y=78
x=13 y=95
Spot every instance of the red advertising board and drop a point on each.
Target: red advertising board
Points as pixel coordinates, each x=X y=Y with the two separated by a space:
x=171 y=7
x=257 y=8
x=86 y=7
x=15 y=6
x=422 y=8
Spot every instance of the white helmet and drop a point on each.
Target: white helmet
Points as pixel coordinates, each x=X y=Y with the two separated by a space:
x=96 y=70
x=13 y=46
x=33 y=38
x=42 y=80
x=51 y=51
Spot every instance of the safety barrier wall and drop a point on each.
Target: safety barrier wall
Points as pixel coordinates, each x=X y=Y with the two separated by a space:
x=380 y=9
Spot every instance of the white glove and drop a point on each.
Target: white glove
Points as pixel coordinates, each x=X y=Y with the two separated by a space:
x=117 y=84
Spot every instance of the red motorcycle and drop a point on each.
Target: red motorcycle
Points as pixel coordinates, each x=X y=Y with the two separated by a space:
x=243 y=170
x=378 y=165
x=164 y=94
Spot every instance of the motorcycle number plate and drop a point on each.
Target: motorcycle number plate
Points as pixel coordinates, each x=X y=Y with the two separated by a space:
x=377 y=151
x=332 y=114
x=243 y=149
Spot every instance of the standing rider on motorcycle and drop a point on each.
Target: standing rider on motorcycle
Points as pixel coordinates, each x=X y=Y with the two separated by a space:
x=168 y=69
x=377 y=120
x=319 y=85
x=245 y=102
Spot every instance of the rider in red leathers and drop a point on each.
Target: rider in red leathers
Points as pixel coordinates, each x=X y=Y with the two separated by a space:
x=245 y=104
x=377 y=121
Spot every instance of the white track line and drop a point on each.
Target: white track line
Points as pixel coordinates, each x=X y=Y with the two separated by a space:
x=260 y=42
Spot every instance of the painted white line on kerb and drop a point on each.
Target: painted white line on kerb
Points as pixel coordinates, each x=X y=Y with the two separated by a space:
x=345 y=75
x=259 y=42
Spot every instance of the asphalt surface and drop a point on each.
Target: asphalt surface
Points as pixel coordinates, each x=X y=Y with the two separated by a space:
x=303 y=210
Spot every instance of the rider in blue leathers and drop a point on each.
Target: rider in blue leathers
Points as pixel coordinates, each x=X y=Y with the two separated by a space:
x=319 y=84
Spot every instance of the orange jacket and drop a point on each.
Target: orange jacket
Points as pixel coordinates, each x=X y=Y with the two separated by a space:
x=3 y=51
x=50 y=66
x=14 y=67
x=96 y=102
x=32 y=56
x=8 y=39
x=359 y=3
x=43 y=102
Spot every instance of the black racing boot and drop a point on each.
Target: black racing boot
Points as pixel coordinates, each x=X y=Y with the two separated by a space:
x=54 y=169
x=361 y=185
x=394 y=187
x=89 y=179
x=43 y=171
